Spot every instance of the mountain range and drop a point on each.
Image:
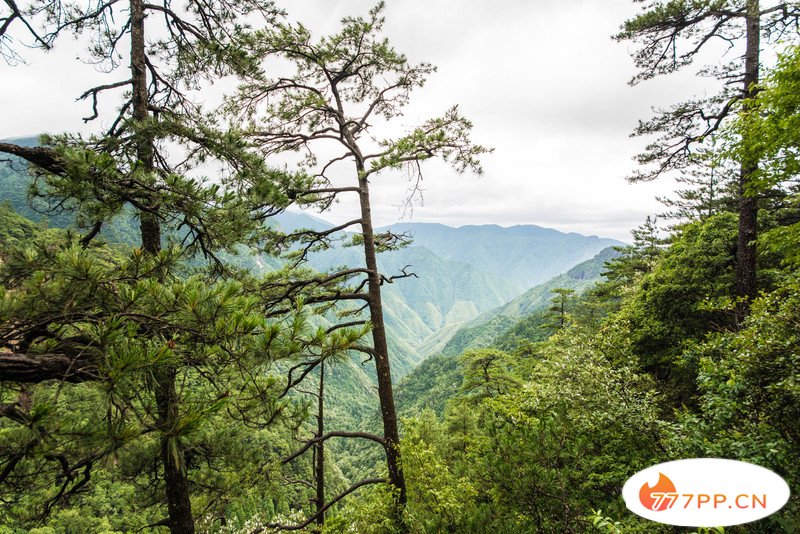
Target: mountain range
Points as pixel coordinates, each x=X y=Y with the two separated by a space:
x=461 y=272
x=472 y=283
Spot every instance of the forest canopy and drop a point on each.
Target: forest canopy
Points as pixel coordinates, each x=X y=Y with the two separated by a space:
x=174 y=358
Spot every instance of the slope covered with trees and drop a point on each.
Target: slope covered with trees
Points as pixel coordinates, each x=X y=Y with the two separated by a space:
x=193 y=371
x=445 y=294
x=494 y=326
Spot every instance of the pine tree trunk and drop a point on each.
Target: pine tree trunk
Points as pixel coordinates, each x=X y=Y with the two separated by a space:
x=748 y=203
x=381 y=354
x=176 y=482
x=319 y=464
x=149 y=225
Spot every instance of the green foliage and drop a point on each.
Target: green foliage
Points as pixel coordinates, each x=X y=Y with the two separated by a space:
x=605 y=524
x=681 y=300
x=371 y=514
x=531 y=420
x=487 y=373
x=653 y=372
x=438 y=491
x=447 y=135
x=770 y=126
x=748 y=382
x=638 y=258
x=533 y=443
x=559 y=311
x=14 y=228
x=205 y=217
x=432 y=383
x=711 y=186
x=534 y=328
x=652 y=366
x=108 y=307
x=16 y=188
x=783 y=240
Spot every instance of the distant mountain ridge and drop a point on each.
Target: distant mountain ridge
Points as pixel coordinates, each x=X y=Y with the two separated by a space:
x=526 y=255
x=461 y=271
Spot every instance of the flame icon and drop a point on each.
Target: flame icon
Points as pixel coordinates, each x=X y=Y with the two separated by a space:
x=663 y=486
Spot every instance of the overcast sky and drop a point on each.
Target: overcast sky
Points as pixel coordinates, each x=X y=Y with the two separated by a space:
x=542 y=81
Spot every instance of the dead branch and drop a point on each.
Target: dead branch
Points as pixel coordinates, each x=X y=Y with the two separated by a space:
x=322 y=510
x=333 y=434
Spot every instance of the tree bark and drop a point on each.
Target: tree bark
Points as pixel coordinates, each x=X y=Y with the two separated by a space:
x=382 y=365
x=748 y=203
x=176 y=481
x=35 y=368
x=148 y=222
x=319 y=466
x=45 y=158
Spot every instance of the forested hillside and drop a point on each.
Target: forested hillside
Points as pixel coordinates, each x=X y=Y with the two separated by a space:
x=185 y=348
x=496 y=326
x=442 y=296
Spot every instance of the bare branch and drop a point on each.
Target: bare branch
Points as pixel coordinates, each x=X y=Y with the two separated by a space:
x=344 y=325
x=333 y=434
x=323 y=509
x=93 y=93
x=85 y=240
x=16 y=14
x=177 y=21
x=391 y=279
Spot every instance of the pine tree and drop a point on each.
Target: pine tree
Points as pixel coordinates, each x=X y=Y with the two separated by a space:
x=558 y=312
x=639 y=258
x=709 y=187
x=135 y=323
x=671 y=34
x=341 y=86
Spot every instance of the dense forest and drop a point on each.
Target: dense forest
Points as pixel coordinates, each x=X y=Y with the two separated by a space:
x=184 y=350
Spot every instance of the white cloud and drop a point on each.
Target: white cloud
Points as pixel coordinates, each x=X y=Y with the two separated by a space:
x=542 y=81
